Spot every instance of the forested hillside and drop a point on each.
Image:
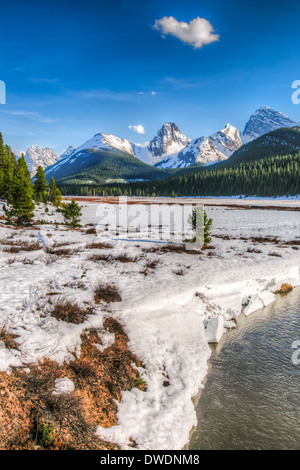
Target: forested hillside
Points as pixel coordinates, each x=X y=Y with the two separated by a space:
x=272 y=176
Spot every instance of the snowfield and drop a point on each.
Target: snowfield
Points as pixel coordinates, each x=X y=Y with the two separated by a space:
x=172 y=303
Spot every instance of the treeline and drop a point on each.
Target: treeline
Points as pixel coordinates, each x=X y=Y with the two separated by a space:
x=268 y=177
x=17 y=189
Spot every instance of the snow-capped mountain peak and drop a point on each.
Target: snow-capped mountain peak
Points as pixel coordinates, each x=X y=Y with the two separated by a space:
x=227 y=140
x=265 y=120
x=168 y=140
x=37 y=156
x=105 y=141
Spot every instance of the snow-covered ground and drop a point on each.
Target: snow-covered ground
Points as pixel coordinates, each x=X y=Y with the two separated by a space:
x=165 y=308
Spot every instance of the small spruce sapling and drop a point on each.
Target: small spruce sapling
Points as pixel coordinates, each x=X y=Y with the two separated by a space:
x=72 y=214
x=201 y=225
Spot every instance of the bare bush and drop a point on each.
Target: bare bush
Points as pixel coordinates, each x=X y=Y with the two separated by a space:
x=107 y=293
x=70 y=311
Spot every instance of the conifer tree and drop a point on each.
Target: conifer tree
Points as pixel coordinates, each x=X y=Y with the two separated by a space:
x=201 y=225
x=54 y=194
x=40 y=185
x=72 y=214
x=21 y=197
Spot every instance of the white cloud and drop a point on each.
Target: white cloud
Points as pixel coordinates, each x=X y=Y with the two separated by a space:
x=197 y=32
x=139 y=129
x=153 y=93
x=33 y=116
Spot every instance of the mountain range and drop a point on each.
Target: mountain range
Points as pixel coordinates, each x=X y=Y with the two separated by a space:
x=170 y=149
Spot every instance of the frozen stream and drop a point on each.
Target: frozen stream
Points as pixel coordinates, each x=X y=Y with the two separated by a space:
x=251 y=398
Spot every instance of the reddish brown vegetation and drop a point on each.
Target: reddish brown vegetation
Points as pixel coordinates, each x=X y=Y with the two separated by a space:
x=30 y=415
x=70 y=312
x=15 y=246
x=98 y=245
x=8 y=339
x=284 y=289
x=107 y=293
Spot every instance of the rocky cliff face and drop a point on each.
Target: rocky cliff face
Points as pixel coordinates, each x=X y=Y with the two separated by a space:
x=265 y=120
x=227 y=141
x=169 y=140
x=37 y=156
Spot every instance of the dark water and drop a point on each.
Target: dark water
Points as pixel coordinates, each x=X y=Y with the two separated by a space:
x=251 y=398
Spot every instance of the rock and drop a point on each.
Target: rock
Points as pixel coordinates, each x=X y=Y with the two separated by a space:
x=63 y=385
x=214 y=329
x=2 y=345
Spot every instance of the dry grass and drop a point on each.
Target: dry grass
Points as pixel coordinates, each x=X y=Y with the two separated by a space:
x=15 y=246
x=61 y=251
x=253 y=250
x=284 y=289
x=106 y=293
x=98 y=245
x=70 y=312
x=91 y=231
x=124 y=258
x=100 y=257
x=30 y=415
x=179 y=272
x=170 y=248
x=8 y=339
x=152 y=264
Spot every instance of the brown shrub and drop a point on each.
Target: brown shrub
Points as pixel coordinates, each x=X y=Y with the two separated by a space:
x=31 y=415
x=98 y=245
x=61 y=251
x=125 y=258
x=17 y=246
x=100 y=257
x=152 y=264
x=170 y=248
x=8 y=339
x=91 y=231
x=253 y=250
x=70 y=312
x=106 y=293
x=284 y=289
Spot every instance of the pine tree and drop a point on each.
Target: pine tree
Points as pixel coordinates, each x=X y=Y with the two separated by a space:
x=72 y=214
x=201 y=225
x=21 y=197
x=54 y=194
x=40 y=185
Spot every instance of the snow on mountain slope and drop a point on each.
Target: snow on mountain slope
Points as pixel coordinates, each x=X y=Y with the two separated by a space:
x=105 y=141
x=206 y=150
x=67 y=152
x=227 y=141
x=170 y=148
x=168 y=142
x=265 y=120
x=37 y=156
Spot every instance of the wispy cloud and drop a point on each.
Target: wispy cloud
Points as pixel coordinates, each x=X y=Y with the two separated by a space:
x=198 y=32
x=143 y=93
x=105 y=94
x=53 y=81
x=32 y=115
x=138 y=128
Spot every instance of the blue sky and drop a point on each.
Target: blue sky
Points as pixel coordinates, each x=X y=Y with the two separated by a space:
x=76 y=68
